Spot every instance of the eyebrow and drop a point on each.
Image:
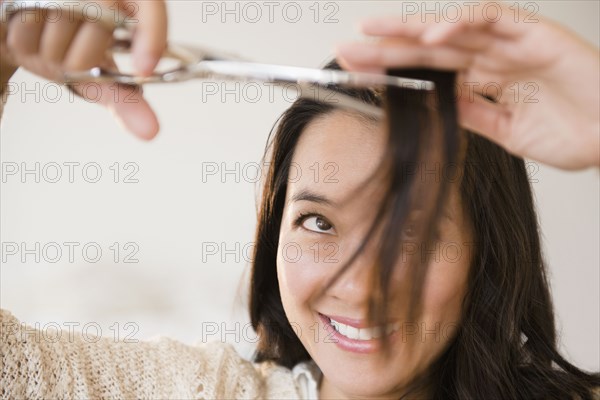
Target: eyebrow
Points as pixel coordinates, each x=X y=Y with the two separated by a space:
x=307 y=195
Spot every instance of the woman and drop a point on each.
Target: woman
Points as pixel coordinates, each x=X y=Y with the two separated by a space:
x=484 y=326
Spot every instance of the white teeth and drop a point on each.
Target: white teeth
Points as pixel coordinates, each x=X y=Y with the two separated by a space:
x=362 y=333
x=352 y=332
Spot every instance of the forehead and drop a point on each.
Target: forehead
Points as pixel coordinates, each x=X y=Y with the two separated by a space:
x=335 y=153
x=340 y=152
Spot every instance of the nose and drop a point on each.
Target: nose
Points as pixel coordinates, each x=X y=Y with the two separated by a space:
x=355 y=285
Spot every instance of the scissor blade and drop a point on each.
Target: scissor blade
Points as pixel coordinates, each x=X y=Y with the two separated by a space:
x=227 y=69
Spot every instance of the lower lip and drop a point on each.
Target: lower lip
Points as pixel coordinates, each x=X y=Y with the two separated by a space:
x=353 y=345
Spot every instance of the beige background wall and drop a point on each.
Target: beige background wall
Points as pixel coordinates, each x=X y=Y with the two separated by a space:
x=171 y=214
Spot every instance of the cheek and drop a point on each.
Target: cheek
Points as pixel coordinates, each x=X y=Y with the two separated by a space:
x=303 y=265
x=445 y=288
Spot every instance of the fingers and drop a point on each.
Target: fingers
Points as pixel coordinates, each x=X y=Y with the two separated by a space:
x=82 y=44
x=491 y=120
x=24 y=33
x=472 y=40
x=126 y=103
x=439 y=25
x=439 y=39
x=494 y=17
x=88 y=48
x=48 y=45
x=56 y=39
x=402 y=53
x=150 y=38
x=394 y=26
x=131 y=109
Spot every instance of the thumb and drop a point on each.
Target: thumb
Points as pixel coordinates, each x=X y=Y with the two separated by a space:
x=491 y=120
x=126 y=103
x=150 y=39
x=131 y=109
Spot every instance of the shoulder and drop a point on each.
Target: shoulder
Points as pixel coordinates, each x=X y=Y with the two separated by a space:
x=253 y=380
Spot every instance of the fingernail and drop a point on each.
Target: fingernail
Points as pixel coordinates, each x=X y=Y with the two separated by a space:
x=145 y=65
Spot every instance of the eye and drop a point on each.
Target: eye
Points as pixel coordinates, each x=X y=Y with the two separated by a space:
x=316 y=223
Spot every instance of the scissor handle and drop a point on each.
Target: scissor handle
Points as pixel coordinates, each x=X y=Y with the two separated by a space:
x=186 y=56
x=123 y=31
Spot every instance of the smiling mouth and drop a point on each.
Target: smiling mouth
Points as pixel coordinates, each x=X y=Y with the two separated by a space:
x=361 y=334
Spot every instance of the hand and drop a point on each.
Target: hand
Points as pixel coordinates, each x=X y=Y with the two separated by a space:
x=49 y=42
x=545 y=78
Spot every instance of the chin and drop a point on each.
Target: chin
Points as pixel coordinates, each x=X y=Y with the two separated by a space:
x=362 y=376
x=364 y=384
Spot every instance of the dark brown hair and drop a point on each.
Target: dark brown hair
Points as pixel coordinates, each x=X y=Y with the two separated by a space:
x=506 y=345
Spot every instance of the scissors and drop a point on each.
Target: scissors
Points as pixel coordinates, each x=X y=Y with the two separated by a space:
x=203 y=63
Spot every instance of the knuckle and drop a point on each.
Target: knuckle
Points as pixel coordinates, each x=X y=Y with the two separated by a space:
x=12 y=42
x=75 y=63
x=51 y=55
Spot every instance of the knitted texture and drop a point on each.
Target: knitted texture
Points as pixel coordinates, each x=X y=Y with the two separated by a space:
x=55 y=364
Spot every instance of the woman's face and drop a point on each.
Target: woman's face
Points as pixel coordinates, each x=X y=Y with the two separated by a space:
x=324 y=221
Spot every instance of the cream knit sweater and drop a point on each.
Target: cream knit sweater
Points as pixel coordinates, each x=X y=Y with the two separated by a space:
x=53 y=364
